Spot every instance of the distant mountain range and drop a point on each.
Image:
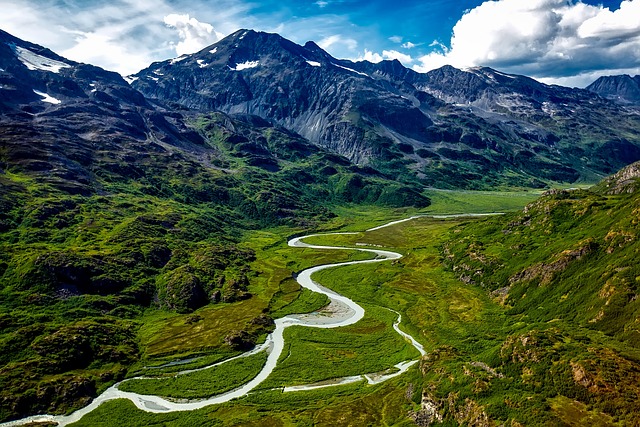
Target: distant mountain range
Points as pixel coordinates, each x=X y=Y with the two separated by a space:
x=449 y=128
x=623 y=89
x=470 y=128
x=117 y=195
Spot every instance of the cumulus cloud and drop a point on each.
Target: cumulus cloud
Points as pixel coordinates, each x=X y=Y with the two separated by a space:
x=328 y=42
x=405 y=45
x=386 y=54
x=102 y=48
x=394 y=54
x=551 y=39
x=370 y=56
x=194 y=35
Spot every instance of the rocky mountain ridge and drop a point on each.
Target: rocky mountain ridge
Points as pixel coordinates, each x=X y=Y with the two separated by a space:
x=623 y=89
x=446 y=128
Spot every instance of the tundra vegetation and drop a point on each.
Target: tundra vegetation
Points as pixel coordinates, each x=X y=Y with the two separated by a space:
x=529 y=318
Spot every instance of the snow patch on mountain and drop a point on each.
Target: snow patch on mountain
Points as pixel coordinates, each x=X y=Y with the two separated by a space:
x=314 y=63
x=352 y=70
x=47 y=98
x=213 y=51
x=245 y=65
x=178 y=59
x=130 y=79
x=33 y=61
x=477 y=71
x=201 y=63
x=504 y=75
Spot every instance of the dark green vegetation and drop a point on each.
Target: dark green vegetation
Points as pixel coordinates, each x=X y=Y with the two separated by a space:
x=201 y=384
x=549 y=350
x=566 y=272
x=92 y=286
x=435 y=307
x=80 y=271
x=288 y=163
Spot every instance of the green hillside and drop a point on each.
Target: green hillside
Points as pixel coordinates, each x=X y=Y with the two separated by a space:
x=566 y=271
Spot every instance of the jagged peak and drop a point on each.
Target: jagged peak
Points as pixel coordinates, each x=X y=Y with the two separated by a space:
x=242 y=32
x=311 y=45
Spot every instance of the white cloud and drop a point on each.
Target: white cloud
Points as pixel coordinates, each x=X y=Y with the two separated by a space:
x=194 y=35
x=371 y=57
x=328 y=42
x=396 y=39
x=102 y=48
x=386 y=54
x=394 y=54
x=607 y=24
x=409 y=45
x=544 y=38
x=322 y=4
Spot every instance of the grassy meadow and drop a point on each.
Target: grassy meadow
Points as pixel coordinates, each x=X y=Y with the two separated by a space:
x=437 y=309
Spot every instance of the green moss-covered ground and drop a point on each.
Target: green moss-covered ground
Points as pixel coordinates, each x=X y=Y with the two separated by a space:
x=493 y=358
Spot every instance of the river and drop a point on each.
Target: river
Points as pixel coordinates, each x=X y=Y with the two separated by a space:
x=341 y=311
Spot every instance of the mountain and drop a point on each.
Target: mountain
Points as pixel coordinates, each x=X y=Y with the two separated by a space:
x=623 y=89
x=111 y=204
x=476 y=128
x=118 y=197
x=78 y=128
x=301 y=87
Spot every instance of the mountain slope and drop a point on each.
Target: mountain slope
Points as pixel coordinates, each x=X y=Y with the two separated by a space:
x=302 y=88
x=111 y=204
x=623 y=89
x=565 y=268
x=446 y=128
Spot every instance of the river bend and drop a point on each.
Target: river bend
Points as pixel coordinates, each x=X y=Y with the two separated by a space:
x=341 y=311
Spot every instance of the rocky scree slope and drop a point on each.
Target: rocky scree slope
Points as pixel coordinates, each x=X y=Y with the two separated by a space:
x=473 y=128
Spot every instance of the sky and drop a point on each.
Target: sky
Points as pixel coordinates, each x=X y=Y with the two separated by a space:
x=567 y=42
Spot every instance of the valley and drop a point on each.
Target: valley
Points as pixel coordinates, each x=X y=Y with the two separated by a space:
x=370 y=347
x=151 y=226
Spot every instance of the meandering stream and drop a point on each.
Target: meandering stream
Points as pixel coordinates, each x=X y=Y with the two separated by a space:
x=341 y=311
